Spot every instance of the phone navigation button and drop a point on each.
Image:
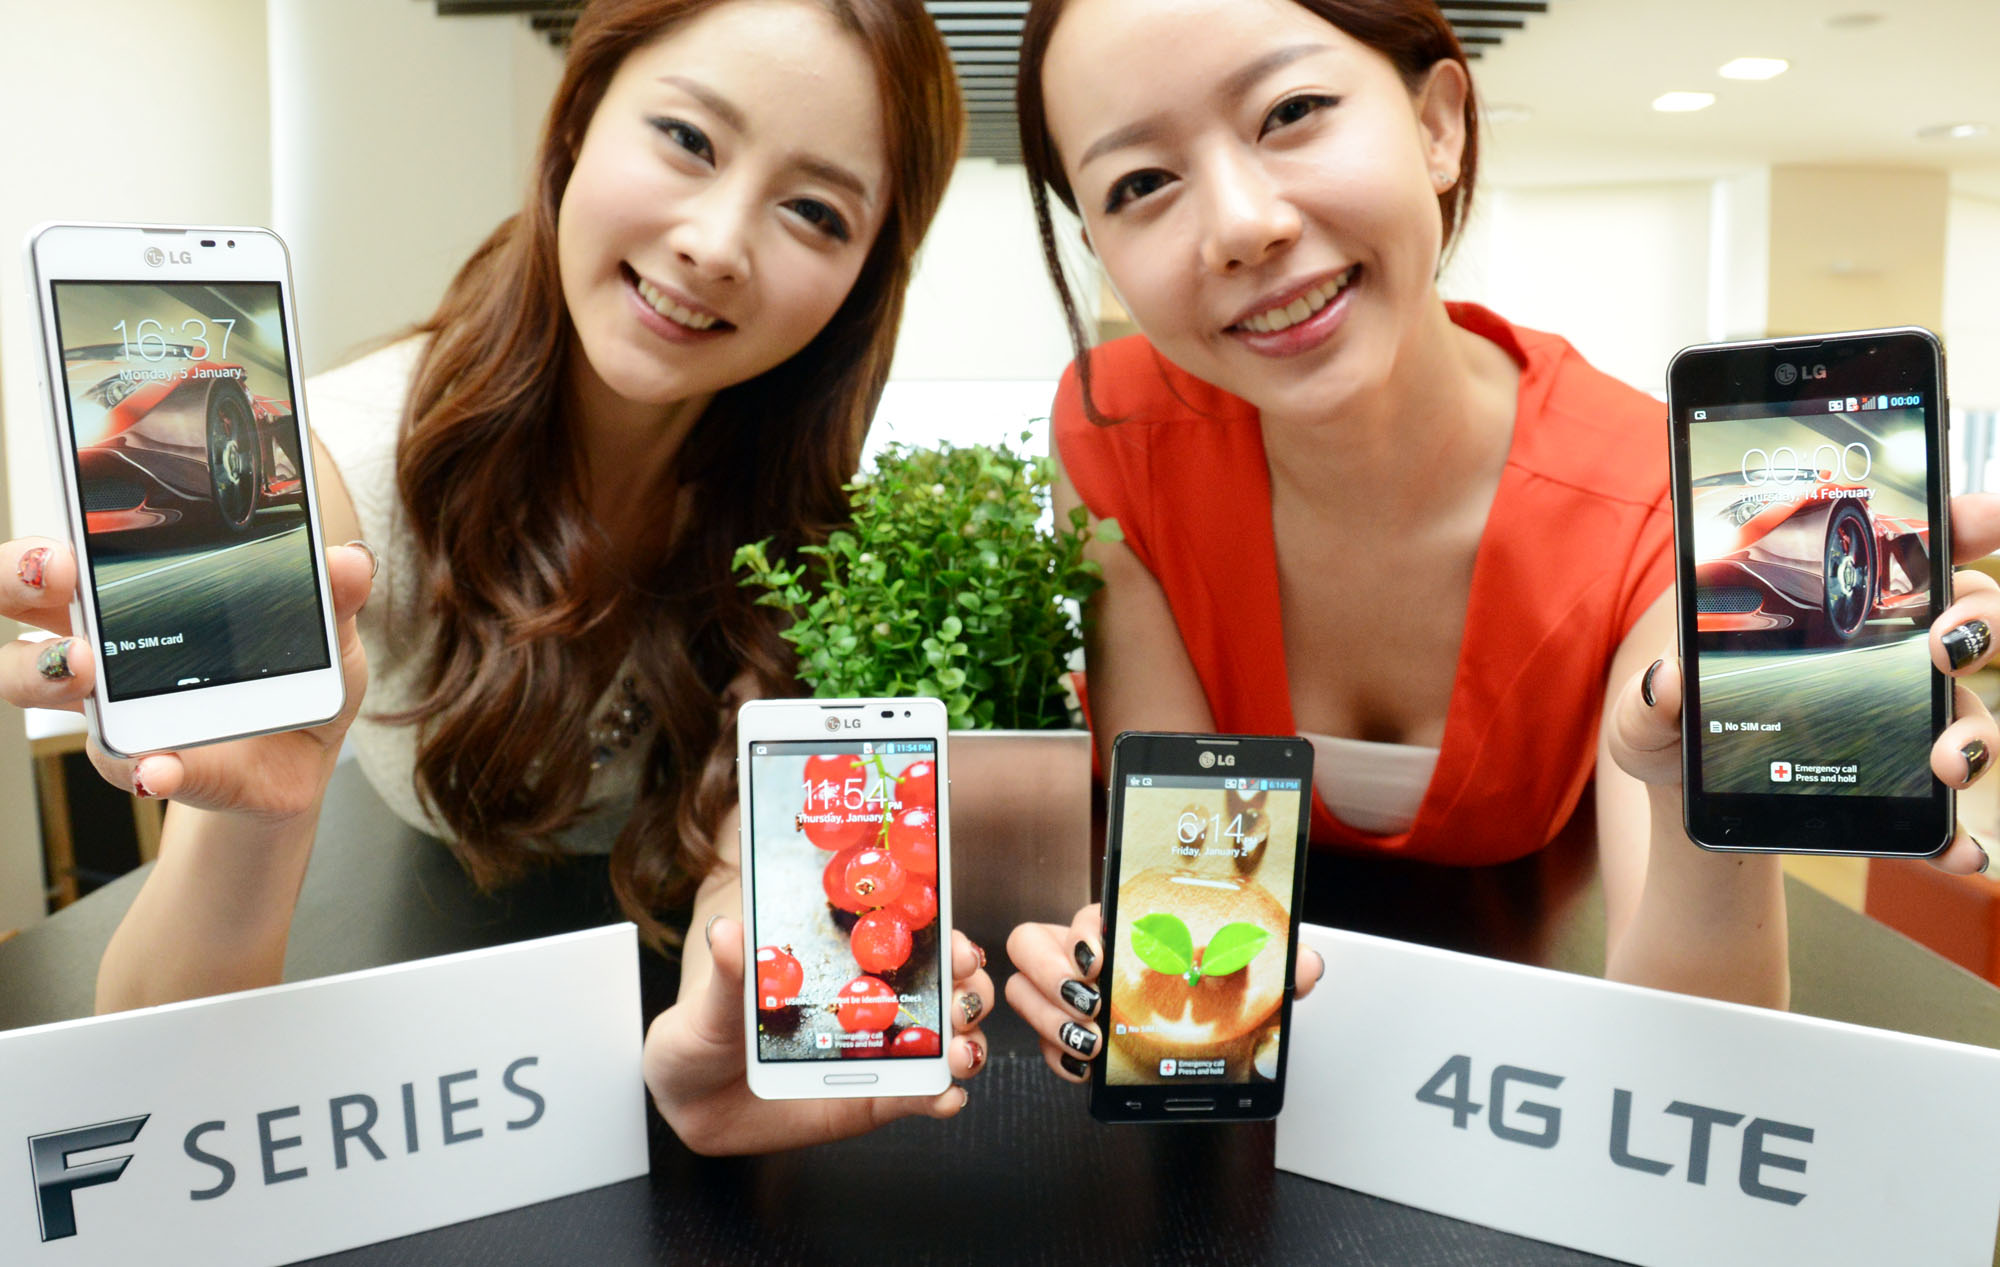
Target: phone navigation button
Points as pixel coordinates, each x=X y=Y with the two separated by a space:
x=852 y=1079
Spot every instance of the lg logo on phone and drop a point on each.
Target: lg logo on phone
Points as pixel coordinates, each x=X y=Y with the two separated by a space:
x=156 y=257
x=1787 y=373
x=835 y=723
x=1210 y=760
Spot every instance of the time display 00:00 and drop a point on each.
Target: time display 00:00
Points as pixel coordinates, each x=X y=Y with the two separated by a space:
x=1837 y=462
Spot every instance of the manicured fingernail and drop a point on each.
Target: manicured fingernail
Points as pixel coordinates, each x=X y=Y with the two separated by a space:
x=1985 y=859
x=53 y=662
x=33 y=567
x=1967 y=643
x=964 y=1097
x=1078 y=1039
x=971 y=1004
x=1646 y=683
x=374 y=561
x=1976 y=755
x=708 y=930
x=975 y=1056
x=1073 y=1067
x=979 y=950
x=139 y=788
x=1080 y=997
x=1085 y=957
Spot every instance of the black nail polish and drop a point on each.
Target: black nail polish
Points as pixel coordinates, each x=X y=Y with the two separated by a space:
x=970 y=1004
x=1078 y=1039
x=1073 y=1067
x=1976 y=755
x=53 y=662
x=1967 y=643
x=1646 y=683
x=1985 y=859
x=1080 y=997
x=1085 y=957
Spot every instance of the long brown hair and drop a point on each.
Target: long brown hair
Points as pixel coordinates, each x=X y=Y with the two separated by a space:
x=531 y=621
x=1413 y=34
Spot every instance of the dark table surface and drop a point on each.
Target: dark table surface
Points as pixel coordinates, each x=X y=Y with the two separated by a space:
x=1023 y=1175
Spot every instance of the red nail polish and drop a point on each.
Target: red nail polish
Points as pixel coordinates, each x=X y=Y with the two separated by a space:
x=139 y=787
x=975 y=1057
x=33 y=567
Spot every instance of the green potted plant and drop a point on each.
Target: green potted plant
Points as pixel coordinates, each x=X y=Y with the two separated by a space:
x=952 y=581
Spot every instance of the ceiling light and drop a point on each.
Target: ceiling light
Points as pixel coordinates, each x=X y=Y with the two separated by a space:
x=1953 y=131
x=1682 y=102
x=1755 y=68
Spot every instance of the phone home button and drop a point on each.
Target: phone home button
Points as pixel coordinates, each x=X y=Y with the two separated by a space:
x=852 y=1079
x=1190 y=1106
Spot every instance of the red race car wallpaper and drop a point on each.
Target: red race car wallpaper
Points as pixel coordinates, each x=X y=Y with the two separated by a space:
x=190 y=480
x=1811 y=552
x=198 y=446
x=1801 y=550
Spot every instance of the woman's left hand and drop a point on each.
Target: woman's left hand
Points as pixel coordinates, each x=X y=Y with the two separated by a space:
x=694 y=1062
x=1646 y=731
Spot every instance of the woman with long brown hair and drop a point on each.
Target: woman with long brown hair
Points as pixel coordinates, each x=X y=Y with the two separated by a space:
x=1434 y=543
x=673 y=349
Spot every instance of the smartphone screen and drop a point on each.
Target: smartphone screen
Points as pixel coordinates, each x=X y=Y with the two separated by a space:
x=1202 y=883
x=843 y=841
x=1812 y=557
x=198 y=548
x=1809 y=515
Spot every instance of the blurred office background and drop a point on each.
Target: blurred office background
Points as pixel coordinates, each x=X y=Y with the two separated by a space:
x=1860 y=186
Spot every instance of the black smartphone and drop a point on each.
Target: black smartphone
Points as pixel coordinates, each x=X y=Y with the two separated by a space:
x=1204 y=866
x=1812 y=531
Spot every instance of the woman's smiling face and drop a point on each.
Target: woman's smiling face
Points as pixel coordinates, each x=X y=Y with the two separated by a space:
x=725 y=197
x=1260 y=187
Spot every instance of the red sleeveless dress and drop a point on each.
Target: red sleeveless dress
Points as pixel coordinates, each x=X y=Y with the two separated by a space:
x=1579 y=543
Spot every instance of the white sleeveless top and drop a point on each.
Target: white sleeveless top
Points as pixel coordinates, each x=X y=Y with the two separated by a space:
x=356 y=411
x=1372 y=787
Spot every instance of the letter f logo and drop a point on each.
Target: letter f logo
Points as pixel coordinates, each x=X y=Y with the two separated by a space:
x=56 y=1181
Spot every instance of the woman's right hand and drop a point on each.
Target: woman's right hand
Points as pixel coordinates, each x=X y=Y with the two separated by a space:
x=273 y=776
x=1056 y=991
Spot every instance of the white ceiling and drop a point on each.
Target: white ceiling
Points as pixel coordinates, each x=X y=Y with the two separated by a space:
x=1588 y=71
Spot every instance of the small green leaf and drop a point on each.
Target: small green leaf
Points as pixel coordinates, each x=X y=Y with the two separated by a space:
x=1163 y=943
x=1232 y=948
x=1108 y=530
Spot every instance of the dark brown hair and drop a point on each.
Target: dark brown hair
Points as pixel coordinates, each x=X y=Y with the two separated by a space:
x=531 y=619
x=1413 y=34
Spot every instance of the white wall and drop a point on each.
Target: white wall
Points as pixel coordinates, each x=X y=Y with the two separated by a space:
x=113 y=113
x=1620 y=271
x=397 y=145
x=980 y=305
x=1972 y=301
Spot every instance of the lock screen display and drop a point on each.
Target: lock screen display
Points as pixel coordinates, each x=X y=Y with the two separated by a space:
x=188 y=465
x=1813 y=567
x=844 y=901
x=1202 y=929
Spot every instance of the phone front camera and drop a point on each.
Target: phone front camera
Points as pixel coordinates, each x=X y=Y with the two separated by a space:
x=232 y=241
x=1288 y=754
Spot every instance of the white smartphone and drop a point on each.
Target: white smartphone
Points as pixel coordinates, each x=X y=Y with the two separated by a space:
x=846 y=852
x=171 y=370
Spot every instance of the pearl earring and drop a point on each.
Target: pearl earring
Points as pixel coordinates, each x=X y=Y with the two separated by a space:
x=1440 y=179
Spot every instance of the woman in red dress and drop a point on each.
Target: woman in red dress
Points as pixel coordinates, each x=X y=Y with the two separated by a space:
x=1436 y=544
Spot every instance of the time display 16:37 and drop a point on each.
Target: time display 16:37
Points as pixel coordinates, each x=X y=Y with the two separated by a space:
x=153 y=346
